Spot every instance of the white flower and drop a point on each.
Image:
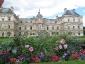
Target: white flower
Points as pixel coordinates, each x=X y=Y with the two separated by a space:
x=65 y=46
x=27 y=46
x=62 y=41
x=60 y=47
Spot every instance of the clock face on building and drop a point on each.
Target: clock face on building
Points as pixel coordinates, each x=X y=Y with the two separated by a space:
x=1 y=2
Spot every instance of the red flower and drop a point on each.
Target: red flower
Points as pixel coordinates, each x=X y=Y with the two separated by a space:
x=55 y=58
x=12 y=60
x=35 y=59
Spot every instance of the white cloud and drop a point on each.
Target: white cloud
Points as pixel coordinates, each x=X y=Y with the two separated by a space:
x=25 y=8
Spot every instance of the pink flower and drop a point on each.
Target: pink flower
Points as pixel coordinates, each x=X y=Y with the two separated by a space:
x=31 y=49
x=75 y=56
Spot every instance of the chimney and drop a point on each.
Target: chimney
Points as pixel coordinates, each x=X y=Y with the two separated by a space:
x=65 y=9
x=73 y=9
x=56 y=16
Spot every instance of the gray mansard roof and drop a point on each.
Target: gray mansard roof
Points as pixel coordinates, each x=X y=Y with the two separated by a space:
x=70 y=12
x=5 y=10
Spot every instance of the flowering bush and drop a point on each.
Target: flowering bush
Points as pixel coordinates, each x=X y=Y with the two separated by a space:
x=55 y=58
x=12 y=60
x=82 y=52
x=35 y=59
x=75 y=56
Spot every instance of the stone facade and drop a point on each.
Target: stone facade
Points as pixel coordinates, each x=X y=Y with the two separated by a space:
x=10 y=25
x=8 y=21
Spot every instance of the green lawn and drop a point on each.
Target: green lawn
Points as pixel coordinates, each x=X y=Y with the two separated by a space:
x=62 y=62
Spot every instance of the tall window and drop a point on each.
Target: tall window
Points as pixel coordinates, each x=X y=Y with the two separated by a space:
x=47 y=28
x=52 y=27
x=73 y=27
x=3 y=34
x=9 y=18
x=68 y=27
x=57 y=28
x=30 y=27
x=73 y=33
x=57 y=33
x=25 y=28
x=20 y=34
x=69 y=33
x=68 y=20
x=25 y=33
x=73 y=19
x=8 y=26
x=8 y=33
x=79 y=33
x=32 y=33
x=78 y=27
x=2 y=19
x=19 y=28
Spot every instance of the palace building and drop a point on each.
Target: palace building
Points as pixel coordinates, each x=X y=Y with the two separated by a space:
x=10 y=25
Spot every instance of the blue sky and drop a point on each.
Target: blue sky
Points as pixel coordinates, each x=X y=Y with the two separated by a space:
x=49 y=8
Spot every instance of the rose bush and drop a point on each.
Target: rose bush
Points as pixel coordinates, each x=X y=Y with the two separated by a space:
x=75 y=55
